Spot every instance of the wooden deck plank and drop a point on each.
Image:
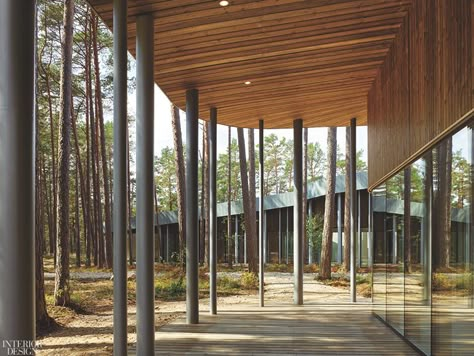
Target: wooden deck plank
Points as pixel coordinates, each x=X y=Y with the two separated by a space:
x=312 y=329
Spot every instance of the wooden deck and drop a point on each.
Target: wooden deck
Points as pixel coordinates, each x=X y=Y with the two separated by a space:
x=312 y=329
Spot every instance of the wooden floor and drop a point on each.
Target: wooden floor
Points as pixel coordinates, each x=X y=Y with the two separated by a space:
x=312 y=329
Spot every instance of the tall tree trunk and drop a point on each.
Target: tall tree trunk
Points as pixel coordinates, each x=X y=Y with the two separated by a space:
x=52 y=137
x=61 y=288
x=305 y=191
x=181 y=192
x=206 y=192
x=103 y=149
x=326 y=251
x=91 y=157
x=98 y=193
x=252 y=242
x=347 y=204
x=42 y=317
x=229 y=213
x=77 y=228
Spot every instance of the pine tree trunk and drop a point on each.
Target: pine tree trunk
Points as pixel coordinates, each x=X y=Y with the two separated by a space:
x=407 y=218
x=252 y=242
x=42 y=317
x=181 y=192
x=347 y=204
x=77 y=229
x=105 y=173
x=98 y=193
x=61 y=288
x=326 y=251
x=229 y=188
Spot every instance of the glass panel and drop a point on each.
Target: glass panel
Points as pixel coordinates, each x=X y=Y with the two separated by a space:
x=417 y=273
x=379 y=251
x=395 y=251
x=452 y=240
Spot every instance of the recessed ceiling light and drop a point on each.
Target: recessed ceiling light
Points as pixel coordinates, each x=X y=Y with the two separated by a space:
x=223 y=3
x=247 y=82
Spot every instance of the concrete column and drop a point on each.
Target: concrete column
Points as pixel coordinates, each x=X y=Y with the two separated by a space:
x=339 y=228
x=120 y=177
x=245 y=247
x=192 y=223
x=310 y=247
x=298 y=212
x=370 y=239
x=287 y=233
x=353 y=193
x=265 y=237
x=213 y=212
x=261 y=215
x=145 y=193
x=17 y=171
x=359 y=232
x=236 y=240
x=167 y=243
x=394 y=240
x=279 y=236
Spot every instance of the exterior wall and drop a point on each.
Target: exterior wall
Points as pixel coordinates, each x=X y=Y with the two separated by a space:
x=424 y=86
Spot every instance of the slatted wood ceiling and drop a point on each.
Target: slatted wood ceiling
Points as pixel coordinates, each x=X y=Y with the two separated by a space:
x=309 y=59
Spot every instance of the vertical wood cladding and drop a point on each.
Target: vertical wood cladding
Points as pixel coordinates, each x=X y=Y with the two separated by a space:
x=424 y=85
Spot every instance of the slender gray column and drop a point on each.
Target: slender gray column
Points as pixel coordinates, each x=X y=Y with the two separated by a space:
x=261 y=214
x=279 y=236
x=213 y=212
x=245 y=247
x=265 y=237
x=167 y=243
x=17 y=145
x=359 y=231
x=298 y=212
x=310 y=247
x=236 y=240
x=287 y=233
x=353 y=193
x=192 y=223
x=145 y=193
x=394 y=239
x=370 y=234
x=120 y=177
x=339 y=228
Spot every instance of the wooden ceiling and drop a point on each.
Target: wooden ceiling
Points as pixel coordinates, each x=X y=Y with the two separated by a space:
x=309 y=59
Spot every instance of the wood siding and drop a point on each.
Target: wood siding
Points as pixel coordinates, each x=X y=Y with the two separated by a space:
x=424 y=86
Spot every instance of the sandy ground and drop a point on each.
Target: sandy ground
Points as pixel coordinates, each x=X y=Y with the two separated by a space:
x=92 y=334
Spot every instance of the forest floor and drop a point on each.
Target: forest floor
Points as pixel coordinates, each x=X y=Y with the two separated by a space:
x=87 y=327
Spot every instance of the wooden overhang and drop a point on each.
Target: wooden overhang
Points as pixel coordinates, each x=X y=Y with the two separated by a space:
x=308 y=59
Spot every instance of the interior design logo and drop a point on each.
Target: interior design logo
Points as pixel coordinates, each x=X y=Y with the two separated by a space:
x=20 y=347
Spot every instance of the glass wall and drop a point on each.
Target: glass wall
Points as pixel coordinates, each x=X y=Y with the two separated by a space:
x=423 y=249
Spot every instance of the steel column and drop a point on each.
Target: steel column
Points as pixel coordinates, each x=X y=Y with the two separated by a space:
x=120 y=177
x=359 y=231
x=261 y=214
x=17 y=167
x=213 y=212
x=236 y=240
x=145 y=187
x=167 y=243
x=370 y=229
x=279 y=235
x=310 y=247
x=339 y=228
x=298 y=212
x=394 y=240
x=192 y=223
x=265 y=237
x=287 y=233
x=353 y=193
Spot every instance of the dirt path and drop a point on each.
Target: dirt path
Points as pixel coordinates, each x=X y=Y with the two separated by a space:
x=88 y=334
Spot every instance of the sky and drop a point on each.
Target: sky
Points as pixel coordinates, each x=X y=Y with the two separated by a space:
x=164 y=138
